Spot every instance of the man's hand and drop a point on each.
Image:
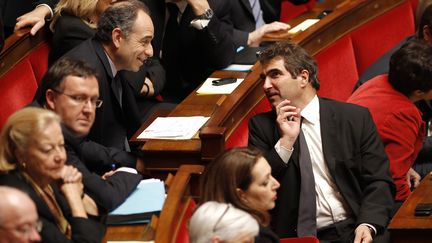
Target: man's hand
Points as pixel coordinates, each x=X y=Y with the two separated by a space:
x=413 y=176
x=288 y=123
x=363 y=234
x=199 y=6
x=34 y=19
x=255 y=38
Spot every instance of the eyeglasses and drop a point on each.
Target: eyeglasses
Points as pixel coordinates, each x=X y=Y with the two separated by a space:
x=220 y=218
x=27 y=229
x=82 y=100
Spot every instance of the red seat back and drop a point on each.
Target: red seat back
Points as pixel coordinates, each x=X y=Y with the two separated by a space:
x=182 y=235
x=308 y=239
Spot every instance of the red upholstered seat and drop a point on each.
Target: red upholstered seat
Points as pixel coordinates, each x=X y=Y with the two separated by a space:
x=337 y=70
x=17 y=88
x=239 y=138
x=39 y=60
x=182 y=235
x=300 y=240
x=290 y=11
x=375 y=38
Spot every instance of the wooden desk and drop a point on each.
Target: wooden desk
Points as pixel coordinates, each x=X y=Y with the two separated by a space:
x=227 y=111
x=405 y=226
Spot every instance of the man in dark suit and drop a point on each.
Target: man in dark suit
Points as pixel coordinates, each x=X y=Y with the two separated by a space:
x=70 y=89
x=122 y=42
x=350 y=189
x=201 y=42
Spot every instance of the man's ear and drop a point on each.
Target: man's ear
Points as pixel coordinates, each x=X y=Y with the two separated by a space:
x=117 y=36
x=50 y=99
x=304 y=75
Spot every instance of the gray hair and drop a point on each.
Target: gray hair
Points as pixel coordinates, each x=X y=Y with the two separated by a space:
x=222 y=220
x=120 y=15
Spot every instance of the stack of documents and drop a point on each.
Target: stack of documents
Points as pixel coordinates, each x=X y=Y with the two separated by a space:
x=179 y=128
x=208 y=88
x=147 y=199
x=239 y=67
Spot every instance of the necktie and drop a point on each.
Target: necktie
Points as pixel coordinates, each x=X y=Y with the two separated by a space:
x=118 y=89
x=306 y=224
x=257 y=13
x=170 y=47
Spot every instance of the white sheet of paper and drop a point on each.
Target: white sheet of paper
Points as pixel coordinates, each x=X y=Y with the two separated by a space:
x=178 y=128
x=303 y=25
x=208 y=88
x=238 y=68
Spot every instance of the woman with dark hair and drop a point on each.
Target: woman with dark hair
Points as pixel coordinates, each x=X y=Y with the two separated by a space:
x=246 y=183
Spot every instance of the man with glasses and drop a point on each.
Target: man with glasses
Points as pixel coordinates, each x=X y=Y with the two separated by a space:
x=18 y=217
x=70 y=88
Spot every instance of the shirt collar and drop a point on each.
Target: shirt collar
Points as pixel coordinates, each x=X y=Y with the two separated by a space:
x=311 y=112
x=180 y=4
x=111 y=63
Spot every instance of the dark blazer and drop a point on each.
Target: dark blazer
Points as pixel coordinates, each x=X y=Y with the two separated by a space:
x=265 y=235
x=113 y=122
x=109 y=193
x=244 y=21
x=355 y=158
x=70 y=31
x=200 y=52
x=83 y=230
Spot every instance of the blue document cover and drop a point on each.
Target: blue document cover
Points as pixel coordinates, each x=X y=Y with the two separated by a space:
x=146 y=200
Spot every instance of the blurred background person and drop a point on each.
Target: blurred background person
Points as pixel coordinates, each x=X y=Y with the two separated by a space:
x=18 y=217
x=214 y=222
x=247 y=185
x=32 y=159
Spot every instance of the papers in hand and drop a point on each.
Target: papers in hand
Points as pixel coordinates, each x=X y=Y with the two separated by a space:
x=208 y=88
x=147 y=199
x=174 y=127
x=303 y=25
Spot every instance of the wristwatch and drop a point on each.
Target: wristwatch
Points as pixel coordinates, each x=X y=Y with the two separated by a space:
x=208 y=14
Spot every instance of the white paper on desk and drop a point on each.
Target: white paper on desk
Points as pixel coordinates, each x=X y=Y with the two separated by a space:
x=178 y=128
x=238 y=68
x=208 y=88
x=303 y=25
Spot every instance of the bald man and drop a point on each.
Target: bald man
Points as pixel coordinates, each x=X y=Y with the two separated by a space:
x=18 y=217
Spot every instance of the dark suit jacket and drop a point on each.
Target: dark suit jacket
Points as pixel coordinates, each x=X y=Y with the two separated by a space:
x=355 y=158
x=113 y=123
x=265 y=235
x=83 y=230
x=200 y=51
x=109 y=193
x=70 y=31
x=244 y=21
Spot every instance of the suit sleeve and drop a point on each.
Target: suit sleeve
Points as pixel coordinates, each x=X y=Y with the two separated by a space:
x=261 y=129
x=375 y=181
x=108 y=193
x=217 y=38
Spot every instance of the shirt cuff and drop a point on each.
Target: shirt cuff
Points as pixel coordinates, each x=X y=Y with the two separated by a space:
x=51 y=12
x=371 y=227
x=284 y=153
x=200 y=23
x=128 y=170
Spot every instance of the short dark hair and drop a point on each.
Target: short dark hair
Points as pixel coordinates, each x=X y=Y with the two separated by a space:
x=119 y=15
x=56 y=74
x=295 y=59
x=426 y=19
x=411 y=68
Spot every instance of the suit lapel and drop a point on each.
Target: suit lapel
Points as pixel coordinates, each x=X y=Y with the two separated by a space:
x=247 y=6
x=328 y=121
x=104 y=60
